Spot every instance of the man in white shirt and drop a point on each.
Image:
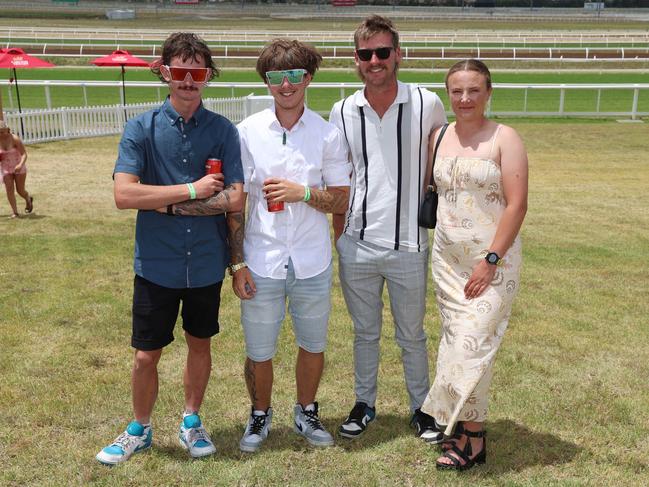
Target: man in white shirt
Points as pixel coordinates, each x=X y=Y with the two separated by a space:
x=386 y=126
x=295 y=171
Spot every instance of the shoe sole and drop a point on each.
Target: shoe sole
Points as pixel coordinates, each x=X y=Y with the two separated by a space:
x=350 y=436
x=249 y=449
x=433 y=441
x=110 y=464
x=313 y=442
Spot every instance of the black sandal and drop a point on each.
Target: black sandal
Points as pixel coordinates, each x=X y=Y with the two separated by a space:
x=462 y=459
x=30 y=204
x=450 y=441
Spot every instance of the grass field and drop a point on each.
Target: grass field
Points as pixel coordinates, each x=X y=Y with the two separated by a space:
x=323 y=99
x=569 y=396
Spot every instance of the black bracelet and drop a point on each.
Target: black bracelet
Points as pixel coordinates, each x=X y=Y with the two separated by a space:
x=170 y=210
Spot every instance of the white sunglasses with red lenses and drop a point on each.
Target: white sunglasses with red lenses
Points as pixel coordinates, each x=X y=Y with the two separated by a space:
x=197 y=75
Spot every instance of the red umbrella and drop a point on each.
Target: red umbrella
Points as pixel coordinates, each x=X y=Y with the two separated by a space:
x=120 y=58
x=14 y=57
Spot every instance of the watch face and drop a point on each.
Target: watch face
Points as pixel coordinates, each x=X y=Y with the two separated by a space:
x=492 y=258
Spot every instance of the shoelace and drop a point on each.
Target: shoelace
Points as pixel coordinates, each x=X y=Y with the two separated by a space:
x=125 y=440
x=258 y=423
x=313 y=420
x=197 y=434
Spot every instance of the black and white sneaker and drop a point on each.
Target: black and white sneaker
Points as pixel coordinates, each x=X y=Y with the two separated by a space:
x=427 y=428
x=359 y=417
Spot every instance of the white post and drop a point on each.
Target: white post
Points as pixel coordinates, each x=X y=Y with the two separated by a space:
x=634 y=108
x=64 y=123
x=599 y=97
x=525 y=100
x=85 y=94
x=562 y=99
x=48 y=98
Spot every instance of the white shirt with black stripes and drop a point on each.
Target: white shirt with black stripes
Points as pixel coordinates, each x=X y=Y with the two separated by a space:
x=389 y=156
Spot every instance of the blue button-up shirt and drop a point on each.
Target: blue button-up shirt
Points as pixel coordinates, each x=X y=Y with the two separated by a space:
x=161 y=148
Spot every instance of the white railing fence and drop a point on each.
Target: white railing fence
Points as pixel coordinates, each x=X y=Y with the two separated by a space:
x=509 y=100
x=80 y=122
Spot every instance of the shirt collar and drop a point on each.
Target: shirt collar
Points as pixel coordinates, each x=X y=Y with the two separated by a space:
x=402 y=95
x=172 y=115
x=271 y=118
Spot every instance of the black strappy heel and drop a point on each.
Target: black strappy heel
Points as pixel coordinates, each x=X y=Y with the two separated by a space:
x=450 y=441
x=462 y=459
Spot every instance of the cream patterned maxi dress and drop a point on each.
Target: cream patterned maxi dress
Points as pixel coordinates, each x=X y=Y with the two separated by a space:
x=471 y=202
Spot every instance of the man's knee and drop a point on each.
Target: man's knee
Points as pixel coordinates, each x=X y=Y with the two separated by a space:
x=198 y=345
x=146 y=359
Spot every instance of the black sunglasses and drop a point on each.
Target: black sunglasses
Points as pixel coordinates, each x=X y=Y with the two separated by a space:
x=381 y=53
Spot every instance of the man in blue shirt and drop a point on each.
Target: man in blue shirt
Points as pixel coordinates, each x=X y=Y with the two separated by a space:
x=178 y=258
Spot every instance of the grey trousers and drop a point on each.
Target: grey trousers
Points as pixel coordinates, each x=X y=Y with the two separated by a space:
x=364 y=268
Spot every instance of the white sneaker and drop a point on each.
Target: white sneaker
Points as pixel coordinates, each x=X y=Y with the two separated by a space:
x=307 y=423
x=194 y=438
x=135 y=439
x=256 y=431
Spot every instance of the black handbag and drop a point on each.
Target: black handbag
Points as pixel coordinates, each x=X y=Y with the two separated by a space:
x=428 y=210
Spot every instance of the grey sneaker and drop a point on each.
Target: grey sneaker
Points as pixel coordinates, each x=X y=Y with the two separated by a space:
x=256 y=431
x=307 y=424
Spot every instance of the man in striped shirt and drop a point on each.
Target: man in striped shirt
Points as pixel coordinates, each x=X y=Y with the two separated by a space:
x=386 y=127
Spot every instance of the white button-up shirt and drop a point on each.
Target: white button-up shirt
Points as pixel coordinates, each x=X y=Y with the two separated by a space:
x=312 y=153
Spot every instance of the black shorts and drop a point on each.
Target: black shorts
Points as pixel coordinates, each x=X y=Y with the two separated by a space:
x=155 y=311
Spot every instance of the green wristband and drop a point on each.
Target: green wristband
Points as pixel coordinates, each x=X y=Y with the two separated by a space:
x=307 y=193
x=192 y=191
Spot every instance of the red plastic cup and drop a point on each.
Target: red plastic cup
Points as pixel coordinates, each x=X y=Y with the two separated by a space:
x=213 y=166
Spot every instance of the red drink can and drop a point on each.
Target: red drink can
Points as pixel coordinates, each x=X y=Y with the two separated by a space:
x=213 y=166
x=274 y=206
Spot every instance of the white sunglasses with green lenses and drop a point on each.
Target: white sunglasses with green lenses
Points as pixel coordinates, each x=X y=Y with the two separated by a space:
x=293 y=76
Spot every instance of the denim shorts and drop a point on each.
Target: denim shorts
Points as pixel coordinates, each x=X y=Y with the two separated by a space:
x=309 y=303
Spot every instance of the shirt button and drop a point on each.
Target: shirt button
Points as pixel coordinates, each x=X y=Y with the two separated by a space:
x=189 y=231
x=184 y=160
x=180 y=118
x=189 y=253
x=184 y=136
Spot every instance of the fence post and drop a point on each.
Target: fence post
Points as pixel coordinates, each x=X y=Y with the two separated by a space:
x=562 y=98
x=48 y=98
x=85 y=94
x=599 y=96
x=525 y=100
x=634 y=108
x=64 y=122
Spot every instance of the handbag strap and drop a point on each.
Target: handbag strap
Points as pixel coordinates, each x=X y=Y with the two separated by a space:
x=432 y=169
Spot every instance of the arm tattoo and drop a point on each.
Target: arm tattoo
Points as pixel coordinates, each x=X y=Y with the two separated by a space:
x=330 y=200
x=214 y=205
x=235 y=236
x=249 y=372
